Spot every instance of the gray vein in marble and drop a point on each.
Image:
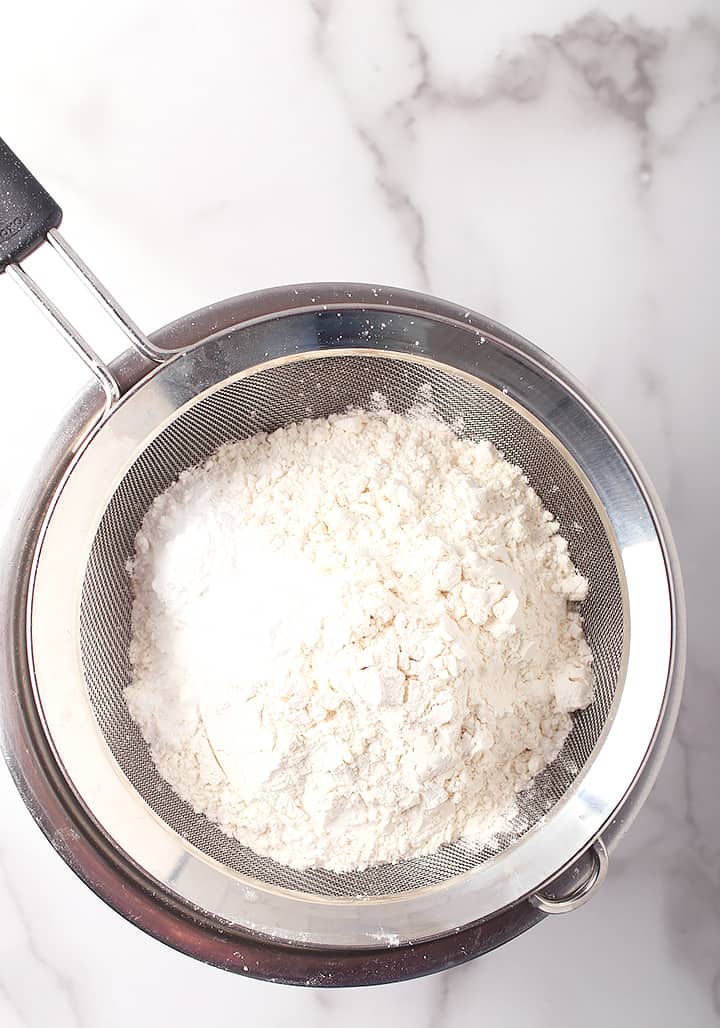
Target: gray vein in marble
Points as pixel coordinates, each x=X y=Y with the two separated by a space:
x=690 y=814
x=439 y=1010
x=64 y=984
x=396 y=196
x=701 y=28
x=322 y=999
x=619 y=63
x=692 y=823
x=7 y=1000
x=616 y=62
x=697 y=741
x=692 y=911
x=400 y=202
x=321 y=11
x=422 y=60
x=659 y=394
x=519 y=77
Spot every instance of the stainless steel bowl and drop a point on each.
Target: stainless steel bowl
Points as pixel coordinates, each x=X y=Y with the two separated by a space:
x=69 y=749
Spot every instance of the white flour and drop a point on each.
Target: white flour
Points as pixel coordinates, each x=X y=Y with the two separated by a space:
x=351 y=640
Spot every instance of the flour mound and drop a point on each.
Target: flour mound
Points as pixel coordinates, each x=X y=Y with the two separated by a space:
x=351 y=640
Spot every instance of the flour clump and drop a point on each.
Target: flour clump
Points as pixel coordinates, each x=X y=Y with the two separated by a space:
x=352 y=639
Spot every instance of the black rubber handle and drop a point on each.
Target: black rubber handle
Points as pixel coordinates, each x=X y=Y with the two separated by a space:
x=27 y=211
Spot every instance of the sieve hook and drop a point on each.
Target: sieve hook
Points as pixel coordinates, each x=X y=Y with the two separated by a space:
x=29 y=217
x=583 y=893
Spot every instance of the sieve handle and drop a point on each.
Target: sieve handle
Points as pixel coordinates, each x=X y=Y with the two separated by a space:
x=27 y=211
x=29 y=217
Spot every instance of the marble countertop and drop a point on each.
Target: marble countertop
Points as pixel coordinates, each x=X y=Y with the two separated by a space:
x=554 y=166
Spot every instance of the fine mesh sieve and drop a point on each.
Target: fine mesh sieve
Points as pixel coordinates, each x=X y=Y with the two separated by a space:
x=315 y=387
x=255 y=363
x=257 y=373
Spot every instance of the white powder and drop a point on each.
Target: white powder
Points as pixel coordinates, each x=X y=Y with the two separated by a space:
x=351 y=639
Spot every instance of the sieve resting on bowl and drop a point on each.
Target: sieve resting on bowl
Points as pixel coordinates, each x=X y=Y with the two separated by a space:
x=251 y=364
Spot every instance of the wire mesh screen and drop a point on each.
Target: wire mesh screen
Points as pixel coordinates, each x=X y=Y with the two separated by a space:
x=267 y=399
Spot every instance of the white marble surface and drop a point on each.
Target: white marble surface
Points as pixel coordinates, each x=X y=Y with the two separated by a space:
x=554 y=168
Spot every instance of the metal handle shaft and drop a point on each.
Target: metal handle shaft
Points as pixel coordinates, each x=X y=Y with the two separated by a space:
x=68 y=331
x=28 y=217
